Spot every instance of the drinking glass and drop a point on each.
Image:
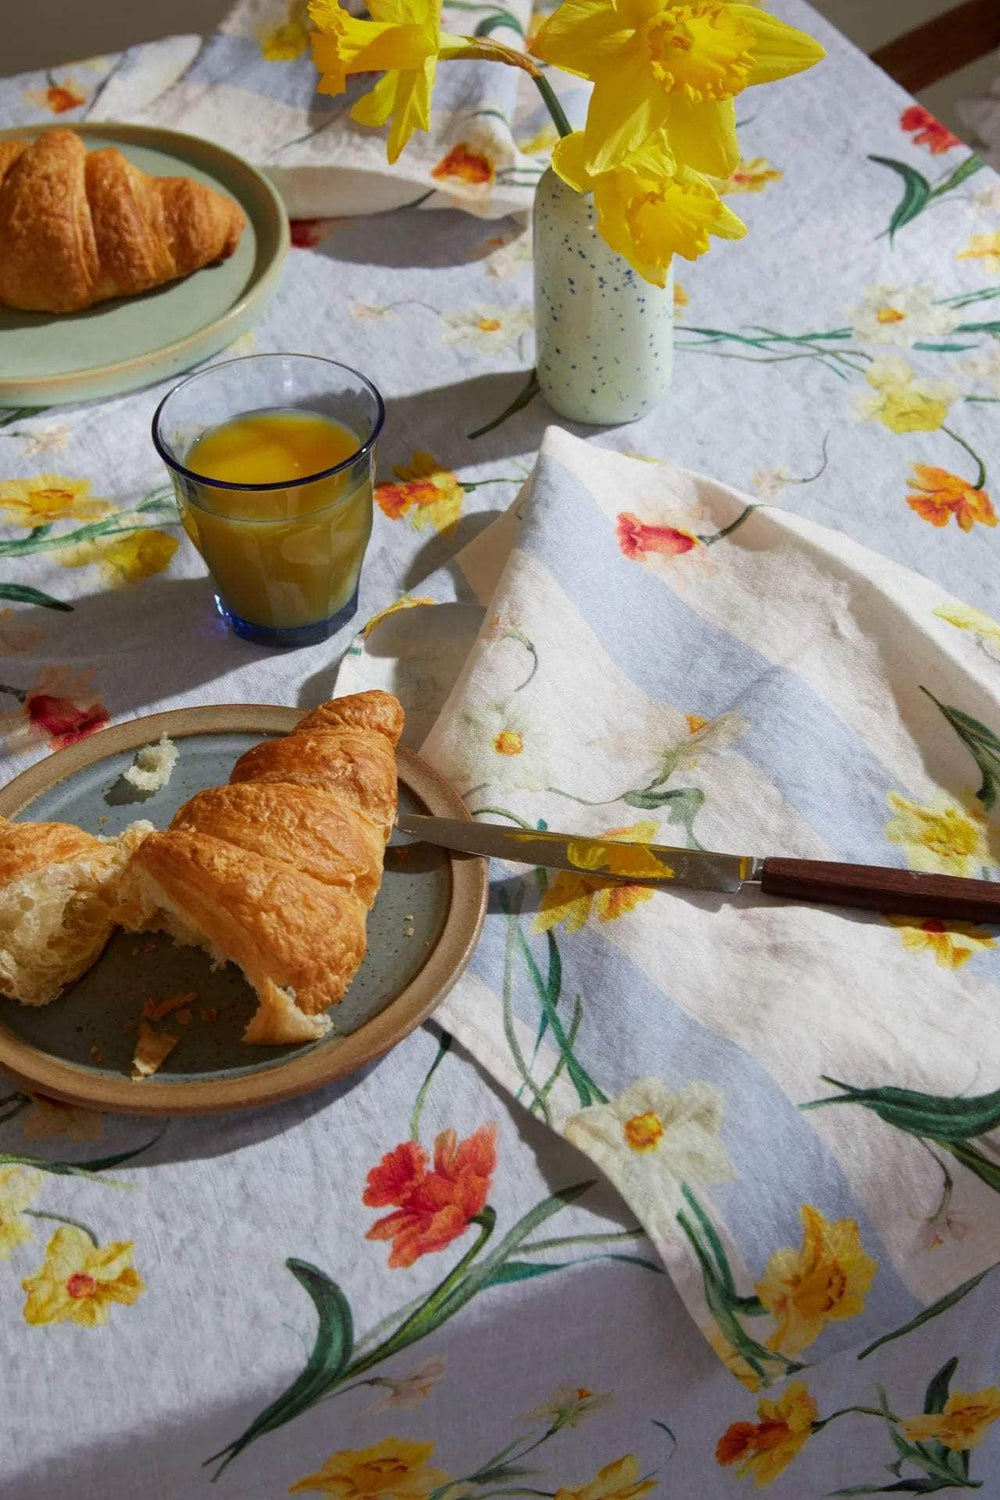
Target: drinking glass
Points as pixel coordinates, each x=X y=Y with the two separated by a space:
x=285 y=557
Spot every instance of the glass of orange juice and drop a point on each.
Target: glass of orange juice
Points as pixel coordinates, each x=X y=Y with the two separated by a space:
x=272 y=458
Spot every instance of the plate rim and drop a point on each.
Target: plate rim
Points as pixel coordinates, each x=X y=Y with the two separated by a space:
x=54 y=389
x=303 y=1072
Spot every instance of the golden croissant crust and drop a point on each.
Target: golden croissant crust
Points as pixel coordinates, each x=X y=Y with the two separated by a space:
x=78 y=227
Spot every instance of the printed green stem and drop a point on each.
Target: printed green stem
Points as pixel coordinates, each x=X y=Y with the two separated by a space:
x=502 y=812
x=980 y=480
x=560 y=1243
x=539 y=1100
x=37 y=1213
x=867 y=1411
x=586 y=1088
x=717 y=536
x=444 y=1043
x=477 y=484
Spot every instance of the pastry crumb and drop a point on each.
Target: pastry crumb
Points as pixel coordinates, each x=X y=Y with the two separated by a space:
x=184 y=1016
x=209 y=1013
x=155 y=1010
x=153 y=766
x=151 y=1050
x=96 y=1054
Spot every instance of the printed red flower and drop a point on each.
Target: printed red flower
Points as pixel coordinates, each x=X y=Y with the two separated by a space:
x=433 y=1207
x=60 y=99
x=636 y=539
x=466 y=165
x=927 y=131
x=308 y=233
x=61 y=720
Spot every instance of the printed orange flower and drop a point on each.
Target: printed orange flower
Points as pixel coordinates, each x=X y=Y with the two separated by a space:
x=58 y=97
x=465 y=165
x=826 y=1281
x=79 y=1280
x=963 y=1422
x=764 y=1448
x=433 y=1207
x=942 y=495
x=430 y=494
x=751 y=176
x=952 y=943
x=636 y=539
x=927 y=130
x=570 y=897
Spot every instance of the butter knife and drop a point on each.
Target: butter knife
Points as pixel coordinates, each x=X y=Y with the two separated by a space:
x=873 y=887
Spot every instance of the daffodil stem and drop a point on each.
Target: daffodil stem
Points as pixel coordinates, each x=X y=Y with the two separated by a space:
x=37 y=1213
x=980 y=479
x=584 y=1239
x=867 y=1411
x=444 y=1044
x=552 y=104
x=717 y=536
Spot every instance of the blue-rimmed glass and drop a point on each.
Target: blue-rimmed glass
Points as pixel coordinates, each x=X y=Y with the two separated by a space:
x=285 y=558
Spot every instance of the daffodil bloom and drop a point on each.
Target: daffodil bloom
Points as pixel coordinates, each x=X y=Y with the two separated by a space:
x=679 y=66
x=649 y=208
x=403 y=40
x=962 y=1422
x=826 y=1281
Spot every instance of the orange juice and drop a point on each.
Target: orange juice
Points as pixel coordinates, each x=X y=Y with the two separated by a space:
x=289 y=555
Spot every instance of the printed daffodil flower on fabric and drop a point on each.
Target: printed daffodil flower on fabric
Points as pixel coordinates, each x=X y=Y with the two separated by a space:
x=571 y=897
x=49 y=497
x=825 y=1281
x=126 y=560
x=764 y=1448
x=18 y=1189
x=940 y=495
x=79 y=1280
x=638 y=539
x=952 y=943
x=394 y=1469
x=500 y=747
x=487 y=328
x=982 y=626
x=656 y=65
x=983 y=366
x=648 y=207
x=407 y=1392
x=407 y=601
x=734 y=1363
x=428 y=493
x=621 y=1480
x=900 y=401
x=963 y=1422
x=568 y=1406
x=651 y=1140
x=464 y=164
x=899 y=317
x=984 y=247
x=939 y=837
x=403 y=41
x=434 y=1201
x=751 y=176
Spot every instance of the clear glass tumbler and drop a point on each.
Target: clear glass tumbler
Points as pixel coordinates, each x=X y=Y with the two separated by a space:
x=285 y=556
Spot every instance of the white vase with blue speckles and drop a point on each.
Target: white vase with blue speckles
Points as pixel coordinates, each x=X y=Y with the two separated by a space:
x=605 y=337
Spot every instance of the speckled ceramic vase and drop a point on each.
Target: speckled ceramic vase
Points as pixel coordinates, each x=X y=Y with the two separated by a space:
x=605 y=336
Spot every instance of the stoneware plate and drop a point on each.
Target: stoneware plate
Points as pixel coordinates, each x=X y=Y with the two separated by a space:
x=50 y=358
x=421 y=934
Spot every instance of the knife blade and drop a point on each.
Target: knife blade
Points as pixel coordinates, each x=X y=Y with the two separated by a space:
x=654 y=864
x=869 y=887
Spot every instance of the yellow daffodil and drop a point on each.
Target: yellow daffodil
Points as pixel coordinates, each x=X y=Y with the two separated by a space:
x=403 y=40
x=18 y=1188
x=826 y=1281
x=656 y=64
x=570 y=897
x=47 y=498
x=618 y=1481
x=406 y=601
x=649 y=209
x=952 y=943
x=124 y=560
x=765 y=1447
x=964 y=617
x=963 y=1422
x=79 y=1280
x=428 y=493
x=900 y=401
x=939 y=838
x=394 y=1469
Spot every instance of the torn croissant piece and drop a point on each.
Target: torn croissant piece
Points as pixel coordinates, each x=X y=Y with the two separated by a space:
x=57 y=896
x=278 y=870
x=78 y=227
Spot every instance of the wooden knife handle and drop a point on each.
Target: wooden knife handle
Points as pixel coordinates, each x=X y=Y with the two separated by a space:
x=906 y=891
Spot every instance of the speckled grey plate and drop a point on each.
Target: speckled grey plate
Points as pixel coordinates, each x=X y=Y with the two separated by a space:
x=421 y=933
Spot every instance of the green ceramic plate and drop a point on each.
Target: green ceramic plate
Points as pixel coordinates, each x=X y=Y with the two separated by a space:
x=421 y=933
x=47 y=359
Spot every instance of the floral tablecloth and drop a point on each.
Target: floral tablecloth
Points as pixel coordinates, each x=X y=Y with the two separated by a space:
x=471 y=1270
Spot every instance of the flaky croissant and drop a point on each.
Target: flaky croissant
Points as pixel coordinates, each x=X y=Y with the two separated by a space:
x=78 y=227
x=278 y=870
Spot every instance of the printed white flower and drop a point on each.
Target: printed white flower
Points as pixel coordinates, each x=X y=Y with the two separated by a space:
x=510 y=256
x=899 y=317
x=50 y=439
x=707 y=734
x=370 y=312
x=983 y=368
x=568 y=1406
x=769 y=483
x=938 y=1228
x=500 y=748
x=487 y=328
x=409 y=1391
x=987 y=200
x=649 y=1141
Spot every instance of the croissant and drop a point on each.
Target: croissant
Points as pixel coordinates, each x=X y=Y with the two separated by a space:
x=58 y=890
x=78 y=227
x=278 y=870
